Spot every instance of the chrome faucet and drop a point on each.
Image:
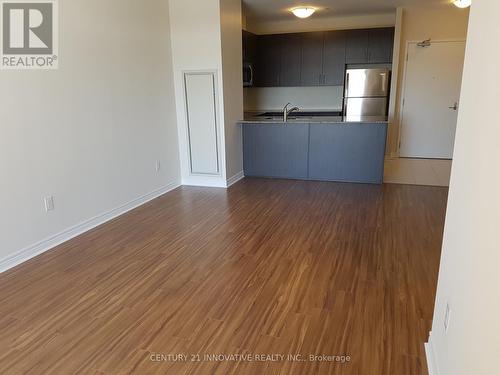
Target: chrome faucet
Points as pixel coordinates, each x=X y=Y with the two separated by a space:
x=286 y=111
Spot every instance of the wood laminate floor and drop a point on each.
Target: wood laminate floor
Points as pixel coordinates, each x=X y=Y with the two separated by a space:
x=267 y=267
x=412 y=171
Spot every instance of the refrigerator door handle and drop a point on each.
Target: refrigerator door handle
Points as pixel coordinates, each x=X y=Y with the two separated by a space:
x=346 y=85
x=385 y=83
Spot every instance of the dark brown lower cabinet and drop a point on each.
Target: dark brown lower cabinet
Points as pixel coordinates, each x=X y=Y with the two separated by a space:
x=347 y=152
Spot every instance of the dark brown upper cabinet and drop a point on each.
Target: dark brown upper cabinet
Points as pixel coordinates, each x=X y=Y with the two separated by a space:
x=334 y=58
x=369 y=46
x=357 y=47
x=268 y=64
x=323 y=58
x=249 y=47
x=317 y=58
x=380 y=45
x=312 y=59
x=290 y=60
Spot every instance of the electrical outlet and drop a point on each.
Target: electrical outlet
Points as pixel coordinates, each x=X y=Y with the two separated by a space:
x=158 y=166
x=447 y=318
x=49 y=203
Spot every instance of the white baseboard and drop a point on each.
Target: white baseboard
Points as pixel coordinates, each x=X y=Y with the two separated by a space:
x=57 y=239
x=212 y=181
x=204 y=181
x=431 y=357
x=236 y=178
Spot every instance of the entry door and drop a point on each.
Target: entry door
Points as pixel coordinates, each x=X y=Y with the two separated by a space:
x=431 y=99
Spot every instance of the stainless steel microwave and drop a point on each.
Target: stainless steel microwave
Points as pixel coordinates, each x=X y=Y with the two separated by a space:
x=247 y=75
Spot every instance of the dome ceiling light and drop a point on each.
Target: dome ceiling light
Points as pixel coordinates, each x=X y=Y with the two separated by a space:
x=462 y=3
x=303 y=12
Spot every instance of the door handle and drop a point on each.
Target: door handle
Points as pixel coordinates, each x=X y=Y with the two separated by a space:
x=455 y=106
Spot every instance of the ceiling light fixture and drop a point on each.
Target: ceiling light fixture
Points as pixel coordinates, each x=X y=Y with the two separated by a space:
x=303 y=12
x=462 y=3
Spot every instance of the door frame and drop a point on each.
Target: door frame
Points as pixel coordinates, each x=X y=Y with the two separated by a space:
x=404 y=84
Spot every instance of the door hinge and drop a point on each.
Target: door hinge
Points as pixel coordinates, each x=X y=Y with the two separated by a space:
x=425 y=43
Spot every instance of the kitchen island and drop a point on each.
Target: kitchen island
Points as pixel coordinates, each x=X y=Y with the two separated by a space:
x=324 y=148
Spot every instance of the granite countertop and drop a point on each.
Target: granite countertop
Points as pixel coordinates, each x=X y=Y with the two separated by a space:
x=254 y=118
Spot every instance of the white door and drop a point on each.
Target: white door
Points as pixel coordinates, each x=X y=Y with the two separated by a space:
x=202 y=122
x=431 y=98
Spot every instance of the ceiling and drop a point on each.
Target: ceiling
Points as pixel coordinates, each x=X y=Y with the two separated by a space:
x=277 y=10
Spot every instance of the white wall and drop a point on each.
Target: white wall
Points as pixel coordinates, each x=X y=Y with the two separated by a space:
x=232 y=68
x=438 y=22
x=196 y=46
x=206 y=35
x=89 y=133
x=469 y=278
x=274 y=98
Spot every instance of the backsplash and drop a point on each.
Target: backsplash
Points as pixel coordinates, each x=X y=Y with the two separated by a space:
x=275 y=98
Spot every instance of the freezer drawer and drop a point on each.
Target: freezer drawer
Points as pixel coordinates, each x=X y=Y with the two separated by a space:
x=356 y=108
x=367 y=82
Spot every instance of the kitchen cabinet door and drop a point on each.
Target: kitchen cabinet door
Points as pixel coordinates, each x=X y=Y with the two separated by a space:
x=380 y=45
x=249 y=47
x=267 y=72
x=334 y=58
x=276 y=150
x=347 y=152
x=290 y=60
x=357 y=46
x=312 y=59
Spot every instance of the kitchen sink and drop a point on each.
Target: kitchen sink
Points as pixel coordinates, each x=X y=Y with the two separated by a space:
x=295 y=115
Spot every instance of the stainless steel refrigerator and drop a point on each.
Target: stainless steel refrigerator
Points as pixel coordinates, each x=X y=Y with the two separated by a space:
x=366 y=93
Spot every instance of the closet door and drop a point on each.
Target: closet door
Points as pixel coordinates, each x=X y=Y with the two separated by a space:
x=202 y=122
